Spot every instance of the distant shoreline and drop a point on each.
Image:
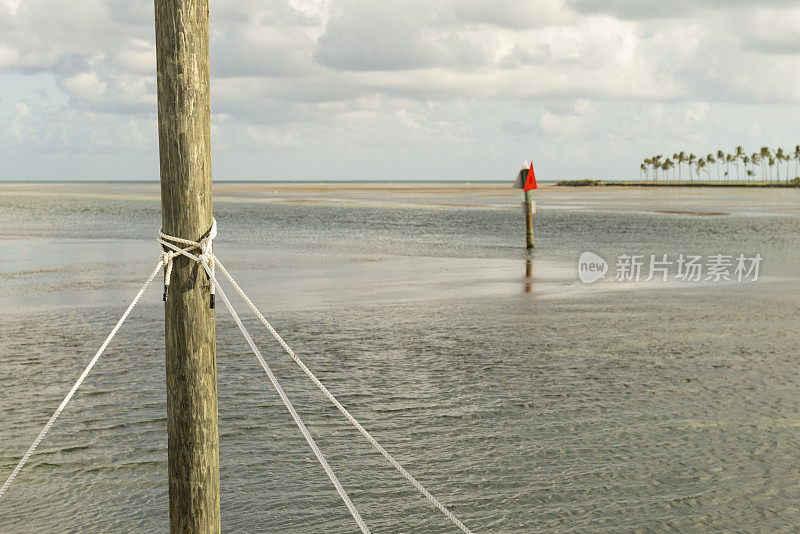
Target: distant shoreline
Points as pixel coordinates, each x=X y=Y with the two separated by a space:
x=304 y=182
x=225 y=186
x=601 y=183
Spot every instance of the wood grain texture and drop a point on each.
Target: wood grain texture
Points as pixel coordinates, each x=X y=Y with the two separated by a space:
x=184 y=132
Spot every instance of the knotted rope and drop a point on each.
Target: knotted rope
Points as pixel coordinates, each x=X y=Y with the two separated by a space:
x=207 y=261
x=205 y=258
x=175 y=246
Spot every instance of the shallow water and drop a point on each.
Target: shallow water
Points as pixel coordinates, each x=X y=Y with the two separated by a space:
x=526 y=404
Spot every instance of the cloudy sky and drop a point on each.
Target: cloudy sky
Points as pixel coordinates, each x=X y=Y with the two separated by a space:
x=386 y=89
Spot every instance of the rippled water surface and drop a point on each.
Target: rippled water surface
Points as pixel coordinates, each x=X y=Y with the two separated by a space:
x=524 y=399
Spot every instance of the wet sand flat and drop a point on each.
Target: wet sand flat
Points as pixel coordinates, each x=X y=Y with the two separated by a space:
x=526 y=400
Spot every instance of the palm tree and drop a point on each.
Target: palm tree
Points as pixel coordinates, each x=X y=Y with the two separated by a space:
x=766 y=155
x=746 y=160
x=739 y=154
x=786 y=158
x=701 y=165
x=728 y=161
x=765 y=163
x=710 y=160
x=796 y=161
x=657 y=164
x=779 y=155
x=756 y=157
x=674 y=157
x=682 y=159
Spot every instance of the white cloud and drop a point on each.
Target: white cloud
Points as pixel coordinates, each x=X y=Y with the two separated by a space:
x=8 y=56
x=138 y=56
x=513 y=14
x=86 y=87
x=11 y=6
x=582 y=80
x=21 y=109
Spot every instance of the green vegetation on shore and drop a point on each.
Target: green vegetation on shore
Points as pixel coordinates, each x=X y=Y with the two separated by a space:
x=704 y=183
x=762 y=167
x=579 y=183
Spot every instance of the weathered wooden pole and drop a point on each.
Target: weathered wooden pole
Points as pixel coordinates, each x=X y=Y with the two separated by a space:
x=184 y=130
x=529 y=206
x=526 y=180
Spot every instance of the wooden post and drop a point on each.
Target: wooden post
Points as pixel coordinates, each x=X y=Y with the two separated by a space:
x=529 y=208
x=184 y=130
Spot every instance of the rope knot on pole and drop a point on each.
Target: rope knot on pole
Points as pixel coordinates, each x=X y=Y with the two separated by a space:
x=177 y=246
x=166 y=261
x=202 y=253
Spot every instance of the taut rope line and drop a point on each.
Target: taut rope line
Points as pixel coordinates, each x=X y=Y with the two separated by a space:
x=210 y=258
x=80 y=380
x=442 y=508
x=206 y=259
x=306 y=434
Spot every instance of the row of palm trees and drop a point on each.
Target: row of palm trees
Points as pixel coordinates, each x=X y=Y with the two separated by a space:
x=762 y=166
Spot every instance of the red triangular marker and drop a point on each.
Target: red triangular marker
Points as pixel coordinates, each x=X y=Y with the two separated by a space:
x=530 y=182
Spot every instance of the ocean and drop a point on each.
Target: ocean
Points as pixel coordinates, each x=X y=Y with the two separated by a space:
x=525 y=399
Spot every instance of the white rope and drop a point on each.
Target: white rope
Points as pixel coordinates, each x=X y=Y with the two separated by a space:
x=164 y=240
x=206 y=260
x=306 y=434
x=80 y=380
x=341 y=408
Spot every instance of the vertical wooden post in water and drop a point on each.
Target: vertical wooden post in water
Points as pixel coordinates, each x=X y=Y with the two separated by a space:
x=184 y=130
x=526 y=180
x=529 y=208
